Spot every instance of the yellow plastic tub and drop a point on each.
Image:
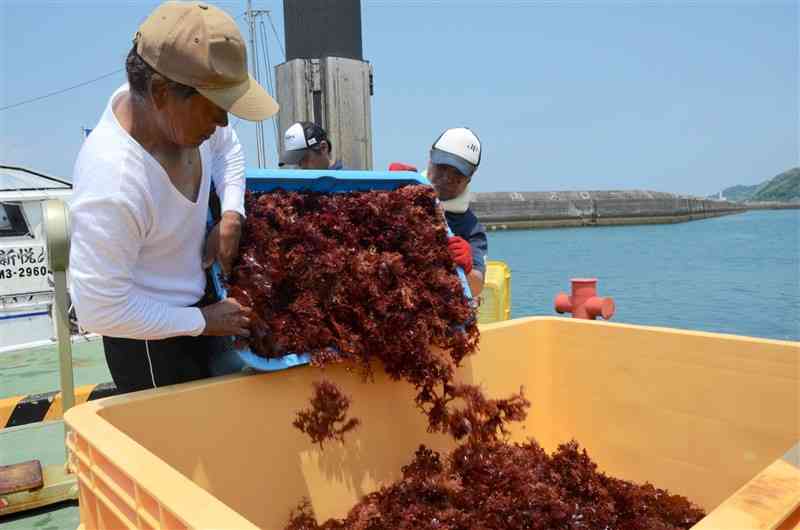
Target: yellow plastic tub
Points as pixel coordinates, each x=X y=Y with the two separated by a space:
x=707 y=416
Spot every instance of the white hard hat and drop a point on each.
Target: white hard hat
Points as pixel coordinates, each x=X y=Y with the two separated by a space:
x=458 y=147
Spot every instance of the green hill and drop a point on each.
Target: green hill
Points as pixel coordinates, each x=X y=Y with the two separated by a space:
x=783 y=187
x=740 y=193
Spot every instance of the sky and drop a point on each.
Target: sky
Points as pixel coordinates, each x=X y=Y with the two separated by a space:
x=684 y=96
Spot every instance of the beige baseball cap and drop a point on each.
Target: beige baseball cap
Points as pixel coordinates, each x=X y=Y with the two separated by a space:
x=200 y=46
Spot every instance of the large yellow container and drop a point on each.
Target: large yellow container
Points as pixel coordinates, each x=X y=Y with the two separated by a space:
x=704 y=415
x=496 y=295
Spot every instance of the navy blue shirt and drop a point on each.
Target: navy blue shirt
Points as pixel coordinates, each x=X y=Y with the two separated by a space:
x=465 y=225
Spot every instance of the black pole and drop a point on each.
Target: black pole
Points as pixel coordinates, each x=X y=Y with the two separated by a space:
x=322 y=28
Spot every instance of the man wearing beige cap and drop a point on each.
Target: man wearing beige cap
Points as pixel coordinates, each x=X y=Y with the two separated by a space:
x=141 y=187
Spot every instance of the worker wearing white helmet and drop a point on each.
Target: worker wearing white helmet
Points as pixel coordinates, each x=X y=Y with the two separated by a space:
x=454 y=159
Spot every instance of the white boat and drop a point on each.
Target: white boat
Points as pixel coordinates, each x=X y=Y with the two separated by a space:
x=26 y=284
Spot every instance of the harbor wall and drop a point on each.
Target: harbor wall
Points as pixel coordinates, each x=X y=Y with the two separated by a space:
x=773 y=205
x=508 y=210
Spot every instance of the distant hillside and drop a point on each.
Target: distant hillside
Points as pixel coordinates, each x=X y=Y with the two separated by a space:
x=783 y=187
x=740 y=193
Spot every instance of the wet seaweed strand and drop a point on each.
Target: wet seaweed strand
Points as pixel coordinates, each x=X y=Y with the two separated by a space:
x=326 y=417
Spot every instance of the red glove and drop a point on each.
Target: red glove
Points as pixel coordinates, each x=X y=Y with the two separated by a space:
x=461 y=253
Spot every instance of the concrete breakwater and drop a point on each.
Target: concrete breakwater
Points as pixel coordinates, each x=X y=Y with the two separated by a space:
x=507 y=210
x=772 y=205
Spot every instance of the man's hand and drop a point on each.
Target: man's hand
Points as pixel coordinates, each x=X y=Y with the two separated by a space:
x=223 y=242
x=227 y=317
x=475 y=281
x=461 y=253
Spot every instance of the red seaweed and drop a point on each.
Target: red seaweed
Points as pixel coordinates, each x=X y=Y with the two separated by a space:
x=327 y=416
x=496 y=485
x=366 y=273
x=356 y=277
x=366 y=276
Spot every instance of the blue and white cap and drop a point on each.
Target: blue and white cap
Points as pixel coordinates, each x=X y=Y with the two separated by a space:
x=298 y=139
x=458 y=147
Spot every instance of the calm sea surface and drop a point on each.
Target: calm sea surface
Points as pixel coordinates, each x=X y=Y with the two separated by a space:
x=735 y=274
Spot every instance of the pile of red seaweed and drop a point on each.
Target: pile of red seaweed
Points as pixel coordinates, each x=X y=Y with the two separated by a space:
x=355 y=277
x=363 y=276
x=496 y=485
x=348 y=276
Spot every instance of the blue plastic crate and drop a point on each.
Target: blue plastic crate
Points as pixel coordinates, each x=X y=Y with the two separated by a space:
x=261 y=180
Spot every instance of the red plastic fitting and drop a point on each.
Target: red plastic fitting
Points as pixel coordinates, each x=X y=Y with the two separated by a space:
x=400 y=166
x=584 y=302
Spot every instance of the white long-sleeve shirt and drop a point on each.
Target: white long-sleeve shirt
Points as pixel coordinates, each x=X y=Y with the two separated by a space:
x=137 y=242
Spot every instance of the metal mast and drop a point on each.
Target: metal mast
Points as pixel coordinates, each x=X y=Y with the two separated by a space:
x=250 y=16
